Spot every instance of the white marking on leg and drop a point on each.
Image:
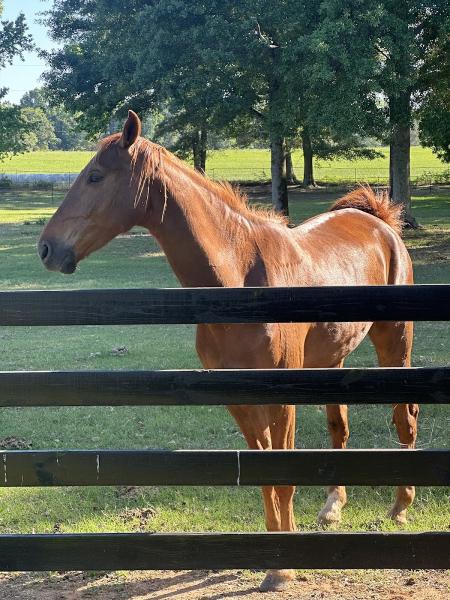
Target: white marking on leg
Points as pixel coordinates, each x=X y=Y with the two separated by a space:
x=98 y=466
x=238 y=481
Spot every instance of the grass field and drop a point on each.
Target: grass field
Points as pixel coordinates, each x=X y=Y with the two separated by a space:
x=246 y=165
x=133 y=261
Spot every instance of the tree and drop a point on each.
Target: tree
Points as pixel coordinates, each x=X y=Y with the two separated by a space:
x=61 y=125
x=12 y=128
x=378 y=49
x=91 y=80
x=411 y=31
x=329 y=71
x=186 y=59
x=301 y=31
x=185 y=137
x=14 y=40
x=40 y=134
x=434 y=101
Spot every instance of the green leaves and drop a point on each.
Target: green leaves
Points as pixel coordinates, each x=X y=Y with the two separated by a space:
x=14 y=40
x=328 y=65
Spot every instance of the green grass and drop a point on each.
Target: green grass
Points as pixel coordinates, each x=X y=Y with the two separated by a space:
x=133 y=261
x=52 y=161
x=243 y=165
x=249 y=164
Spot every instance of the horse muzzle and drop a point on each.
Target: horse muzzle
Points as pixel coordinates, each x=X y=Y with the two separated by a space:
x=57 y=256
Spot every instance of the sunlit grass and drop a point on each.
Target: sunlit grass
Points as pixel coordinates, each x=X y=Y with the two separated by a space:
x=242 y=164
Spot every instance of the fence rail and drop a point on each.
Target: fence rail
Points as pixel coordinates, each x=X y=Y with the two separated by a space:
x=225 y=467
x=420 y=175
x=109 y=551
x=226 y=305
x=430 y=385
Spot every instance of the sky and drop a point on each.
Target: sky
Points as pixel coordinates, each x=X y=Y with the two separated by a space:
x=23 y=76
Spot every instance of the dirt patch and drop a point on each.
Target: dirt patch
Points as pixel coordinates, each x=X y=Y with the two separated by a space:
x=215 y=585
x=141 y=516
x=15 y=443
x=129 y=492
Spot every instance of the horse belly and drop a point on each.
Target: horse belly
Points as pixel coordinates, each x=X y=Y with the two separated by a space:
x=234 y=346
x=328 y=344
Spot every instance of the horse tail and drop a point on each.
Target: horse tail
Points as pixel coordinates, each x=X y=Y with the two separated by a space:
x=377 y=204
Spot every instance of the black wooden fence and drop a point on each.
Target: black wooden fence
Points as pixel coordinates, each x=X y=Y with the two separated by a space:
x=225 y=467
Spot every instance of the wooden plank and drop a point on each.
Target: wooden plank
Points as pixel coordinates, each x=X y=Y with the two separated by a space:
x=225 y=305
x=223 y=467
x=429 y=550
x=345 y=467
x=117 y=467
x=227 y=387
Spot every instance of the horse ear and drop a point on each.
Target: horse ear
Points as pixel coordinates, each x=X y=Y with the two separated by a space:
x=131 y=130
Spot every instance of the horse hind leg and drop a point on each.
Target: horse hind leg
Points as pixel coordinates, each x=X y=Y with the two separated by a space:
x=337 y=421
x=393 y=344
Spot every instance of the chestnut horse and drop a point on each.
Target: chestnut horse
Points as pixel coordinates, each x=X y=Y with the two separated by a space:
x=211 y=238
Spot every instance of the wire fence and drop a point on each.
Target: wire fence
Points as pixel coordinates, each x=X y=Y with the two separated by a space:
x=331 y=175
x=324 y=175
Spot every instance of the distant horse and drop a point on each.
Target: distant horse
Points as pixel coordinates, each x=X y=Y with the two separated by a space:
x=212 y=238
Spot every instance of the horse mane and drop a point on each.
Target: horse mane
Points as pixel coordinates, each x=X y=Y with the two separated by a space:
x=150 y=162
x=377 y=204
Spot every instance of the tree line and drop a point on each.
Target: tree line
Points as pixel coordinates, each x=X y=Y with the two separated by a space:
x=324 y=75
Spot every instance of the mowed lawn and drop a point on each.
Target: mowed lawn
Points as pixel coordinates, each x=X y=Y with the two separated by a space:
x=135 y=260
x=247 y=165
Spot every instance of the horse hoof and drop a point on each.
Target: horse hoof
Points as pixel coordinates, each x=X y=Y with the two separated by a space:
x=329 y=517
x=277 y=581
x=398 y=516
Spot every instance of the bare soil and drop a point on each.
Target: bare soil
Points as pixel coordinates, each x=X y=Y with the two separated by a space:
x=215 y=585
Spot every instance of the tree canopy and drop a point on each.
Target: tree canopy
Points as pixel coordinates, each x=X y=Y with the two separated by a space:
x=53 y=127
x=325 y=74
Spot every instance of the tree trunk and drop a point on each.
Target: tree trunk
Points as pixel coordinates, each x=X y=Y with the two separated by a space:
x=199 y=145
x=290 y=173
x=399 y=154
x=278 y=172
x=308 y=173
x=280 y=200
x=203 y=146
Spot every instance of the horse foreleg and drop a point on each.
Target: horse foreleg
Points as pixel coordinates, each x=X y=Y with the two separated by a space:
x=282 y=429
x=337 y=496
x=265 y=428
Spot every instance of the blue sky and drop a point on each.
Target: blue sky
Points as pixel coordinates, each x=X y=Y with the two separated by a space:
x=24 y=76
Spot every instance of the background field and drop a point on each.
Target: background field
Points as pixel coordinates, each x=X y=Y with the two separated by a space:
x=134 y=260
x=249 y=165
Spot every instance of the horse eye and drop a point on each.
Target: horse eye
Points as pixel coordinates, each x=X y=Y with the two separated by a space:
x=94 y=177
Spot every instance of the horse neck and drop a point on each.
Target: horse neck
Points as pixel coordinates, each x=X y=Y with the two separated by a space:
x=207 y=242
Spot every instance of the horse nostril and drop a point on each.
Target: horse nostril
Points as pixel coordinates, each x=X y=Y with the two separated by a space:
x=45 y=250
